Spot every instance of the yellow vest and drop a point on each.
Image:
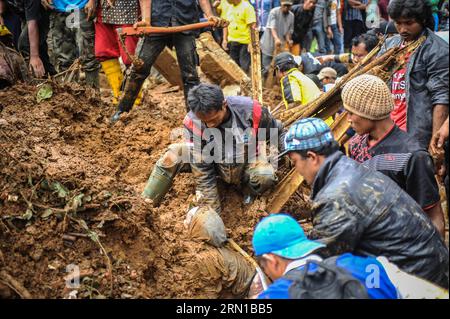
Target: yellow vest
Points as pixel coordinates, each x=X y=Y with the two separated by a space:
x=298 y=88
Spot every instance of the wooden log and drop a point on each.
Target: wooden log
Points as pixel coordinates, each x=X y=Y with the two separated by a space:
x=12 y=283
x=270 y=79
x=167 y=65
x=218 y=66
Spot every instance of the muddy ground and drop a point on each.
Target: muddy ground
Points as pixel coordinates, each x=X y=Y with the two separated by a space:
x=70 y=188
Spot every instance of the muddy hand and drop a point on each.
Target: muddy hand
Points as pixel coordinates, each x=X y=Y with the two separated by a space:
x=37 y=67
x=218 y=22
x=439 y=138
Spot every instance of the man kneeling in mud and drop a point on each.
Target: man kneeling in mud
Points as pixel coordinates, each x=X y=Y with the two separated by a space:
x=225 y=138
x=229 y=138
x=217 y=270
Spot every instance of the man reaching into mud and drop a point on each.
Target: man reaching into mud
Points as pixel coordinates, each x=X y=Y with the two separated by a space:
x=229 y=139
x=162 y=13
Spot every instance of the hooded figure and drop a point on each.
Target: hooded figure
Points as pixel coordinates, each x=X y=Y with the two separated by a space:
x=225 y=272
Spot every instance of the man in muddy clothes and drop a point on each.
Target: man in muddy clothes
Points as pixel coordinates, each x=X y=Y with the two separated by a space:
x=229 y=141
x=166 y=14
x=216 y=269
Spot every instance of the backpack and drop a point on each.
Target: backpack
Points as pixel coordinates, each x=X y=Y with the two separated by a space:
x=324 y=280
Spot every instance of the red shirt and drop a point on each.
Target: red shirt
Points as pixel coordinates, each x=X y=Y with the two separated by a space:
x=398 y=90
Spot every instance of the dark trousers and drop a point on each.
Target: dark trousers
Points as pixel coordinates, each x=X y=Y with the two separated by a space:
x=24 y=43
x=148 y=50
x=239 y=53
x=352 y=28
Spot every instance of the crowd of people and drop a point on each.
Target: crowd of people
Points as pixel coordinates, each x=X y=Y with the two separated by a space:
x=379 y=205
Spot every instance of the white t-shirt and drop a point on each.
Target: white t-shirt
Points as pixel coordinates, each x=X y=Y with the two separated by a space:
x=284 y=24
x=334 y=7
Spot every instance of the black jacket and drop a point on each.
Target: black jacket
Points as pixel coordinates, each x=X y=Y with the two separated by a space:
x=174 y=12
x=426 y=84
x=363 y=211
x=302 y=22
x=229 y=163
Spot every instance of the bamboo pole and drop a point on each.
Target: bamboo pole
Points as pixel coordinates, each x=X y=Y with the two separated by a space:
x=257 y=89
x=127 y=31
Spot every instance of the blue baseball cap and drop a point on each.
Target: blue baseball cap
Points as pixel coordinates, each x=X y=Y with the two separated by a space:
x=280 y=234
x=307 y=134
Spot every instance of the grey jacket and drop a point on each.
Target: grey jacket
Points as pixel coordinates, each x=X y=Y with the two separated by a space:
x=229 y=163
x=363 y=211
x=426 y=84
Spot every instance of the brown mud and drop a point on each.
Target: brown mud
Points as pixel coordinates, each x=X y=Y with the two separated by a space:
x=70 y=188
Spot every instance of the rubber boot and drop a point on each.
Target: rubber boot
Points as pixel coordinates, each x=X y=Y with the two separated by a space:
x=132 y=87
x=161 y=179
x=138 y=100
x=92 y=79
x=114 y=76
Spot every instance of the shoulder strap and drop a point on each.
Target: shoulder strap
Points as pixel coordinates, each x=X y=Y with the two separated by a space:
x=294 y=274
x=189 y=123
x=257 y=114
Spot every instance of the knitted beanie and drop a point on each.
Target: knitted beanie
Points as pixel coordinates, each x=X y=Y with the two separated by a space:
x=369 y=97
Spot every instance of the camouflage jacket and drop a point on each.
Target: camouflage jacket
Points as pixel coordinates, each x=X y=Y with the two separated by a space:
x=12 y=67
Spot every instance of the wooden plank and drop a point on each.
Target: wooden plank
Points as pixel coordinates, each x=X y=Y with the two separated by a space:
x=218 y=66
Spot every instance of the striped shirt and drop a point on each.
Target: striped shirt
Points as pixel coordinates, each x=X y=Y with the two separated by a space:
x=263 y=8
x=352 y=13
x=400 y=157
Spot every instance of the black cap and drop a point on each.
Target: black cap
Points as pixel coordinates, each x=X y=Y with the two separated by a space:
x=283 y=58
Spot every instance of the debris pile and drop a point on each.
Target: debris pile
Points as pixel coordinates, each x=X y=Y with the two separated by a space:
x=70 y=190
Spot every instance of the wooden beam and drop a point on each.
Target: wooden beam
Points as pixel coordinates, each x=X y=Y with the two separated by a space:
x=218 y=66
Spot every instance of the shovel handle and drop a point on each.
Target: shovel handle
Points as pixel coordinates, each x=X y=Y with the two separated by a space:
x=163 y=30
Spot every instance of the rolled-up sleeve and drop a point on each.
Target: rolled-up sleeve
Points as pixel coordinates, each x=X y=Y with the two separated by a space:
x=437 y=71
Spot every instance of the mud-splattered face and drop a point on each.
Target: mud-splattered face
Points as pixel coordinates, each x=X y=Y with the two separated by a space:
x=408 y=28
x=213 y=119
x=359 y=124
x=307 y=167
